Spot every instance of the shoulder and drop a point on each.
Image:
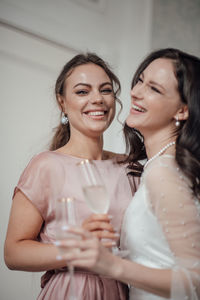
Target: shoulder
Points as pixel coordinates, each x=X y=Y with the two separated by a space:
x=162 y=166
x=43 y=156
x=119 y=157
x=42 y=168
x=162 y=174
x=43 y=160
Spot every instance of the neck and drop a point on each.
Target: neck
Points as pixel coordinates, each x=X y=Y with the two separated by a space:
x=156 y=142
x=85 y=147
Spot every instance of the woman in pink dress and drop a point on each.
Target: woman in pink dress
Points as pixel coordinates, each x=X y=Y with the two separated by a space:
x=86 y=91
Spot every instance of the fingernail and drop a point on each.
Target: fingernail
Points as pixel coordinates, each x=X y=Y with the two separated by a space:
x=57 y=243
x=113 y=243
x=116 y=234
x=58 y=257
x=110 y=217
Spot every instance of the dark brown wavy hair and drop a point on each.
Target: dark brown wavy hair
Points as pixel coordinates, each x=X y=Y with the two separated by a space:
x=62 y=132
x=187 y=72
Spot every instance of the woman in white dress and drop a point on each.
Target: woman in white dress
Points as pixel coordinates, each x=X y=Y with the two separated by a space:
x=161 y=227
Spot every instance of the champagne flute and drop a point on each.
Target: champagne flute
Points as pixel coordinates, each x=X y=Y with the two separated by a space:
x=96 y=194
x=94 y=190
x=65 y=217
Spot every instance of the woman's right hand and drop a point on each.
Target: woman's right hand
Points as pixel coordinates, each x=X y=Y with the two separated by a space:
x=99 y=225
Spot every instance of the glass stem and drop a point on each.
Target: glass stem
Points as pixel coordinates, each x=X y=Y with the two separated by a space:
x=72 y=291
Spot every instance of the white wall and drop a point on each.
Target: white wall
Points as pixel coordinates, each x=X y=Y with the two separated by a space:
x=177 y=24
x=29 y=68
x=27 y=113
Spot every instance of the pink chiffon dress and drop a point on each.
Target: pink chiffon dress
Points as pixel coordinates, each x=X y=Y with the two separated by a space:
x=51 y=175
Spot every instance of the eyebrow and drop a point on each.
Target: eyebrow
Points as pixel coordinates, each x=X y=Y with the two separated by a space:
x=89 y=85
x=157 y=84
x=153 y=82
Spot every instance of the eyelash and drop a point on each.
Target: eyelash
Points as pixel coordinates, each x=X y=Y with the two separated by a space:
x=155 y=90
x=107 y=91
x=104 y=91
x=82 y=92
x=152 y=87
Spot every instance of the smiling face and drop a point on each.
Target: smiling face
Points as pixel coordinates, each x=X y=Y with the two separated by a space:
x=88 y=100
x=155 y=99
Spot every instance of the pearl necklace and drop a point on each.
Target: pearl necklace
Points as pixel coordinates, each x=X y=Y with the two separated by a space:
x=160 y=152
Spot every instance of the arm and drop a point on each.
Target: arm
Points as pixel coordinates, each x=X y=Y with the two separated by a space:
x=178 y=212
x=22 y=250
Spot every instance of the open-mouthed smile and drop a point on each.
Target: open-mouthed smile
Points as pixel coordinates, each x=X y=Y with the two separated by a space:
x=96 y=114
x=138 y=108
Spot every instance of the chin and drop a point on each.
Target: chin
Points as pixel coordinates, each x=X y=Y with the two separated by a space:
x=100 y=128
x=130 y=123
x=97 y=130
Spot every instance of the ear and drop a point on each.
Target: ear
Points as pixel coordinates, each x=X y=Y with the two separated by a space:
x=61 y=102
x=182 y=114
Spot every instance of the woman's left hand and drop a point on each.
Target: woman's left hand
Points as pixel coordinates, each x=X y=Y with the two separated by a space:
x=90 y=253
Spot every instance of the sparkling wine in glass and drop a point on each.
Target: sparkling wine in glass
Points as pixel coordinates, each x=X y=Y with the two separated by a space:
x=94 y=190
x=65 y=218
x=97 y=198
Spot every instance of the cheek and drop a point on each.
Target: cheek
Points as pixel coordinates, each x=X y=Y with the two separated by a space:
x=112 y=115
x=111 y=102
x=113 y=108
x=154 y=98
x=155 y=103
x=74 y=104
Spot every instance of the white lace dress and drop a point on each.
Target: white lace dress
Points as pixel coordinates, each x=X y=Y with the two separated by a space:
x=161 y=228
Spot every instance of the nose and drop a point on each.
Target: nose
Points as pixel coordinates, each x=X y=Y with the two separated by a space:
x=137 y=91
x=97 y=98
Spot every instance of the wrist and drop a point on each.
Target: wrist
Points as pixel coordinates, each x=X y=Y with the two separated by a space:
x=116 y=269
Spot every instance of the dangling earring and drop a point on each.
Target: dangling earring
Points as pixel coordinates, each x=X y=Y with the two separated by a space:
x=177 y=123
x=64 y=119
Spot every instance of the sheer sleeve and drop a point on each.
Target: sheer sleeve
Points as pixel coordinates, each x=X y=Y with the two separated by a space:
x=178 y=212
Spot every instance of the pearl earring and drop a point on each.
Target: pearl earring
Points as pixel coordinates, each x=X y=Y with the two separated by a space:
x=64 y=119
x=177 y=123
